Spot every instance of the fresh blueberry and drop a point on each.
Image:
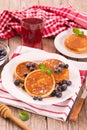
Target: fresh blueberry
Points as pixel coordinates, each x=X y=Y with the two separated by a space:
x=56 y=70
x=61 y=65
x=59 y=69
x=64 y=81
x=35 y=98
x=23 y=87
x=59 y=89
x=53 y=93
x=40 y=98
x=31 y=68
x=60 y=83
x=66 y=66
x=28 y=65
x=17 y=82
x=64 y=87
x=58 y=94
x=25 y=74
x=69 y=82
x=33 y=64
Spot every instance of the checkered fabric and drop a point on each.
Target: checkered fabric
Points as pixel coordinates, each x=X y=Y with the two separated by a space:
x=57 y=19
x=59 y=111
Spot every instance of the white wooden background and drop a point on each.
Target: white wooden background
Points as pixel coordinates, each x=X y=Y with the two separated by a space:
x=80 y=5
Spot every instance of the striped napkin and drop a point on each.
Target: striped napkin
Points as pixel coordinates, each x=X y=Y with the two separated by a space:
x=58 y=111
x=57 y=19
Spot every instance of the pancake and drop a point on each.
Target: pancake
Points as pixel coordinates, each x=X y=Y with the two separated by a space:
x=23 y=69
x=39 y=84
x=54 y=64
x=77 y=44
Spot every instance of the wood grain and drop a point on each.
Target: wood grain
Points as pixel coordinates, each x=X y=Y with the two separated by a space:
x=76 y=110
x=36 y=121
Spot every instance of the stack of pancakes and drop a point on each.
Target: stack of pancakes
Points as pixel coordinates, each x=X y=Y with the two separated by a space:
x=38 y=83
x=76 y=43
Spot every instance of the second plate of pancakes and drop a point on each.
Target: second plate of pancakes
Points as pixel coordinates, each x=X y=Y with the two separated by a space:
x=60 y=46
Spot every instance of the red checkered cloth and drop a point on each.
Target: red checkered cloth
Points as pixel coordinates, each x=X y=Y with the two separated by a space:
x=57 y=19
x=59 y=111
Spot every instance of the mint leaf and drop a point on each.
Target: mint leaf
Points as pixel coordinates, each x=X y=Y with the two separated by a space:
x=78 y=32
x=81 y=33
x=24 y=116
x=42 y=67
x=49 y=71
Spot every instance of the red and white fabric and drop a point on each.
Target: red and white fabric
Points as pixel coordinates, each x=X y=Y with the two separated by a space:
x=57 y=19
x=58 y=111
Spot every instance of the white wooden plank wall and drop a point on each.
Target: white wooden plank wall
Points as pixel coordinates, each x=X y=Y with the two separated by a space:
x=80 y=5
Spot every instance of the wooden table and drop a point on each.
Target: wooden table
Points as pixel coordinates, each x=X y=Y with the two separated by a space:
x=37 y=122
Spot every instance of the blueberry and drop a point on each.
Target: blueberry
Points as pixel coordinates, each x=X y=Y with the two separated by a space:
x=59 y=69
x=56 y=70
x=17 y=82
x=61 y=65
x=64 y=87
x=66 y=66
x=60 y=83
x=28 y=65
x=58 y=94
x=59 y=89
x=40 y=98
x=31 y=68
x=53 y=93
x=23 y=87
x=33 y=64
x=35 y=98
x=25 y=74
x=64 y=81
x=69 y=82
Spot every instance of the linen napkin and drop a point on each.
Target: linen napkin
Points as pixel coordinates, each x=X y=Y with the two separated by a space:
x=57 y=19
x=58 y=111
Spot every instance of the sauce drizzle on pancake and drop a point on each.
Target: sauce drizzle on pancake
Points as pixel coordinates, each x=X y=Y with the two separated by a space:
x=76 y=44
x=39 y=84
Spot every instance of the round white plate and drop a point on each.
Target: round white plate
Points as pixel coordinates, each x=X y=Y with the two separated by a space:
x=8 y=72
x=59 y=44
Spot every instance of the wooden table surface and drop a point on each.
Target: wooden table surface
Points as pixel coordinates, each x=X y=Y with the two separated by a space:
x=37 y=122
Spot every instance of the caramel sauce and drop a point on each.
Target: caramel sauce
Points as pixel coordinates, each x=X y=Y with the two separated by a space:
x=21 y=69
x=53 y=63
x=39 y=83
x=77 y=44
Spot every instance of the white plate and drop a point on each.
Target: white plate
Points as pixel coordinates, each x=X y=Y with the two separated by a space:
x=8 y=71
x=59 y=44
